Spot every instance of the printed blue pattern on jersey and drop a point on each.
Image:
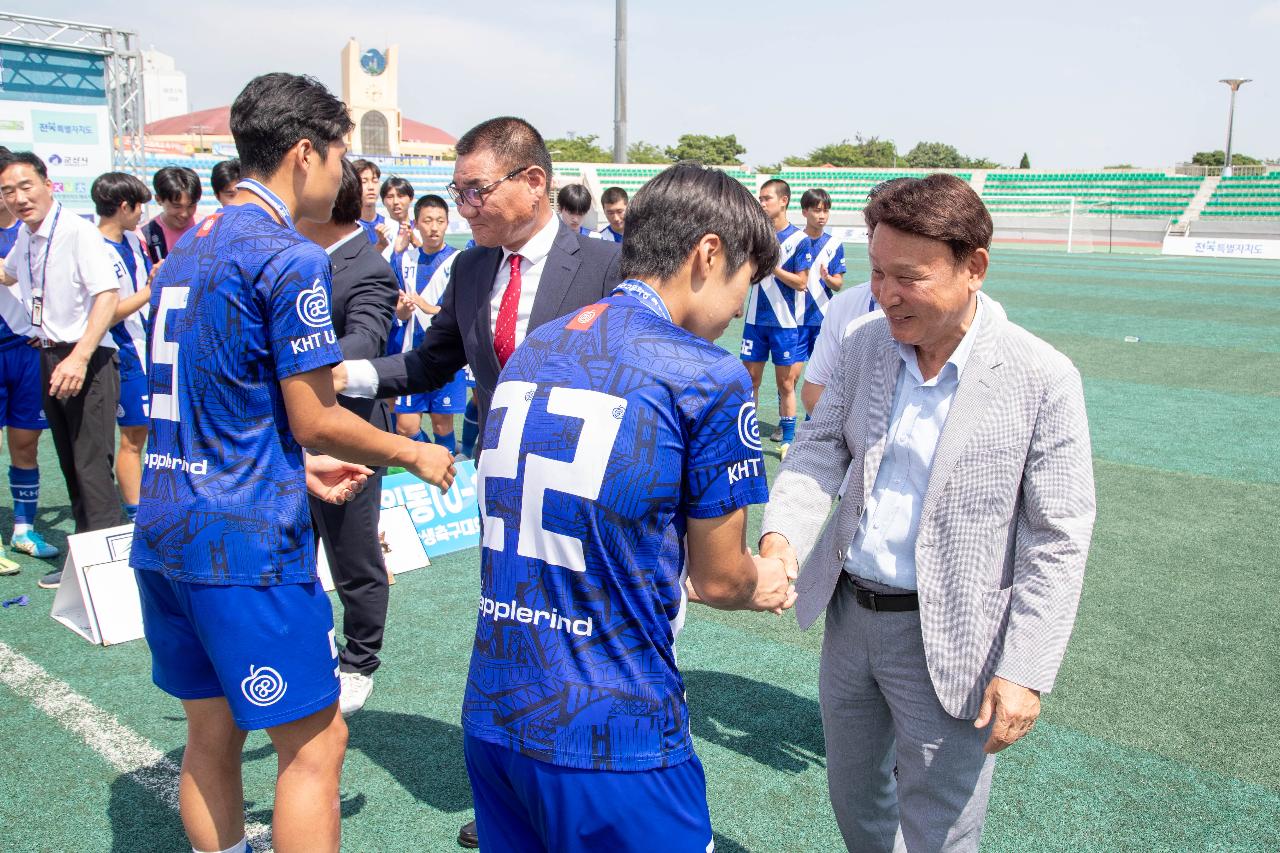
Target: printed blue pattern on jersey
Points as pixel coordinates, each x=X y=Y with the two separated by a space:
x=771 y=302
x=813 y=253
x=240 y=304
x=608 y=429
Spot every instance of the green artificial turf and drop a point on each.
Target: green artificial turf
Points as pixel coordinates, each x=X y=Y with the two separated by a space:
x=1160 y=736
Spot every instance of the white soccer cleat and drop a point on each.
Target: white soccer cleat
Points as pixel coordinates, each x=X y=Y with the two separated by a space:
x=355 y=692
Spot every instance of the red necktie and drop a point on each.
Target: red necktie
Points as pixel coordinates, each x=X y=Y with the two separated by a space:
x=504 y=332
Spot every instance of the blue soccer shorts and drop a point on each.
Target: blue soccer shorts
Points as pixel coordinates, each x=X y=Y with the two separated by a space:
x=809 y=339
x=134 y=396
x=448 y=400
x=784 y=346
x=21 y=391
x=529 y=805
x=268 y=649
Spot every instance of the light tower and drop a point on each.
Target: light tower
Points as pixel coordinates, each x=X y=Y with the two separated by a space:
x=1235 y=83
x=620 y=82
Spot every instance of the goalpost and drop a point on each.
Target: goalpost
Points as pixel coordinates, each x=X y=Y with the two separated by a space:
x=1049 y=219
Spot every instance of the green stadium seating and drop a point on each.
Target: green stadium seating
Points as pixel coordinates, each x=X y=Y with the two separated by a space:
x=1096 y=193
x=1245 y=197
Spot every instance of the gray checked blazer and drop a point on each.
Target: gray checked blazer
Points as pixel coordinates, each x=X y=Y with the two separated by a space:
x=1007 y=516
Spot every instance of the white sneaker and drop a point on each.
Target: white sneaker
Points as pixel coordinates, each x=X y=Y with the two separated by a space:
x=355 y=692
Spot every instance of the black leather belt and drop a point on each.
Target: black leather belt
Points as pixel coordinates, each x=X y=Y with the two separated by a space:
x=884 y=602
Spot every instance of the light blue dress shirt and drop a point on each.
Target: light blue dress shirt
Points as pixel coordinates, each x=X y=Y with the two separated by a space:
x=884 y=548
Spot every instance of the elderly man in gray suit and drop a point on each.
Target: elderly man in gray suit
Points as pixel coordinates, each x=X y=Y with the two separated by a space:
x=951 y=568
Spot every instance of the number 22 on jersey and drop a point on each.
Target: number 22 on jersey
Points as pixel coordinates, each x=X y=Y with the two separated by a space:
x=601 y=415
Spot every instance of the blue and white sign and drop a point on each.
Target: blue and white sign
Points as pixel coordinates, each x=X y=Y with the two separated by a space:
x=446 y=522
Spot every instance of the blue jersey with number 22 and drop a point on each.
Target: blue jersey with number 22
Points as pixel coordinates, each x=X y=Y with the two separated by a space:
x=608 y=430
x=241 y=303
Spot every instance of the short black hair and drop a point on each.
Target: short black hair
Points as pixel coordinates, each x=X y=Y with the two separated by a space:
x=362 y=164
x=613 y=195
x=514 y=142
x=430 y=200
x=27 y=158
x=575 y=199
x=172 y=181
x=112 y=190
x=780 y=186
x=816 y=197
x=681 y=205
x=225 y=175
x=348 y=203
x=395 y=184
x=276 y=111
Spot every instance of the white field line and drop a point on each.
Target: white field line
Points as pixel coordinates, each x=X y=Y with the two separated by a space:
x=124 y=749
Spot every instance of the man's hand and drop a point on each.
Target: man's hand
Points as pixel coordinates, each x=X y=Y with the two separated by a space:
x=404 y=307
x=434 y=464
x=67 y=378
x=334 y=481
x=774 y=591
x=339 y=378
x=1014 y=709
x=776 y=545
x=403 y=238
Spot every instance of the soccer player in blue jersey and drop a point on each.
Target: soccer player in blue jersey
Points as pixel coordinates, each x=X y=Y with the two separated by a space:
x=422 y=285
x=224 y=176
x=820 y=259
x=774 y=309
x=574 y=203
x=240 y=354
x=21 y=408
x=621 y=454
x=119 y=200
x=614 y=203
x=370 y=219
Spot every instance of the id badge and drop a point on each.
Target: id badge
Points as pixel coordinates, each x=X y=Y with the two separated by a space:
x=37 y=310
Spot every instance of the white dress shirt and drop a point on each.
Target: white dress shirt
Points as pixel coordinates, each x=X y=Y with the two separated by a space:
x=73 y=269
x=534 y=259
x=362 y=376
x=884 y=548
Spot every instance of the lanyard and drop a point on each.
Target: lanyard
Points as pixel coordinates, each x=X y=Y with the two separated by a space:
x=38 y=292
x=645 y=295
x=276 y=203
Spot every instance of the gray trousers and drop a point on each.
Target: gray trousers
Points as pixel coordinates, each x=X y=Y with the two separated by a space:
x=880 y=710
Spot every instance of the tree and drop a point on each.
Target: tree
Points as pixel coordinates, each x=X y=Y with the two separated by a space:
x=1219 y=158
x=643 y=152
x=711 y=150
x=1025 y=162
x=579 y=149
x=769 y=169
x=862 y=152
x=935 y=155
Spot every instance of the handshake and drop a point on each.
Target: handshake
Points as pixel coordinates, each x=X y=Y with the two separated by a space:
x=776 y=568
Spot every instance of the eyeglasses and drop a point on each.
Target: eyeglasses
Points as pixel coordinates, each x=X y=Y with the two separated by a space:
x=474 y=196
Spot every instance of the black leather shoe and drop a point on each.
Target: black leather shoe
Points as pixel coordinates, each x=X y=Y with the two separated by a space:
x=467 y=836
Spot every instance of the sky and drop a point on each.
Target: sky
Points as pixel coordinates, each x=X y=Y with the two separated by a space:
x=1075 y=85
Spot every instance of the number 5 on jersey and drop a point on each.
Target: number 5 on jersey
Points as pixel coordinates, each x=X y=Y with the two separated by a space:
x=601 y=415
x=165 y=405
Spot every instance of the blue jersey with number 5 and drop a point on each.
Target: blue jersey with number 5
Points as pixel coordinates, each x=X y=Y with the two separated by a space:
x=240 y=304
x=607 y=431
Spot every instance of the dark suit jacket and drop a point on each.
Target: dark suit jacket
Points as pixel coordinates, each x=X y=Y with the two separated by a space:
x=578 y=272
x=364 y=298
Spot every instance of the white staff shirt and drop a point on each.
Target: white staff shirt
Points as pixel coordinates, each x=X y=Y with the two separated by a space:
x=80 y=266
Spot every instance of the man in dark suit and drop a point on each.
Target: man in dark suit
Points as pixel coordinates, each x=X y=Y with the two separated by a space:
x=526 y=269
x=500 y=185
x=363 y=299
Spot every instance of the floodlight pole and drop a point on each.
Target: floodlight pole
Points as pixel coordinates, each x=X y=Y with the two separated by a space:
x=1235 y=83
x=620 y=82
